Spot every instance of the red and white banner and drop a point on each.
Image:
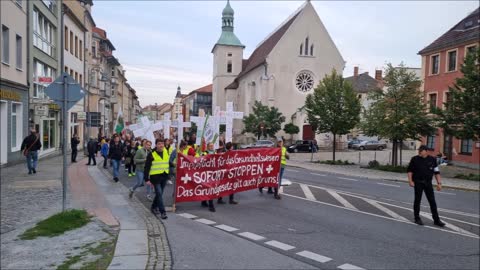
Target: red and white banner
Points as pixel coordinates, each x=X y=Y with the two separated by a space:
x=217 y=175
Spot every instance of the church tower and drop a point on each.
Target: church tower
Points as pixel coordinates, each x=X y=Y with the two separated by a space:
x=227 y=59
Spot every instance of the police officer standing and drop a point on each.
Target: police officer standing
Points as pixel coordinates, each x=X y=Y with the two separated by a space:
x=420 y=172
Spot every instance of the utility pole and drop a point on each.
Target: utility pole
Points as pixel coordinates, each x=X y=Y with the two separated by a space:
x=64 y=139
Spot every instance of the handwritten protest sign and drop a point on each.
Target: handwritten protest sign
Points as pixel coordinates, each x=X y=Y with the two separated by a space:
x=212 y=176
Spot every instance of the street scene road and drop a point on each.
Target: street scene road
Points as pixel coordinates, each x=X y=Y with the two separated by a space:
x=327 y=221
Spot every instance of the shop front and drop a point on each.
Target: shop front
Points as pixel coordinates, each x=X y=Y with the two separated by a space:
x=46 y=121
x=13 y=120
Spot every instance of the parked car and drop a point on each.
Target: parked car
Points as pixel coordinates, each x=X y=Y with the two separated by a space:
x=301 y=146
x=354 y=141
x=259 y=144
x=370 y=145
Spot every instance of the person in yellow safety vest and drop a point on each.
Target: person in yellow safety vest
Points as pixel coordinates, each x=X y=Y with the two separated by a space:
x=210 y=151
x=283 y=163
x=191 y=149
x=173 y=158
x=156 y=171
x=168 y=146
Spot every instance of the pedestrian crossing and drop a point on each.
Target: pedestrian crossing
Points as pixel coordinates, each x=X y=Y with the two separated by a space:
x=456 y=222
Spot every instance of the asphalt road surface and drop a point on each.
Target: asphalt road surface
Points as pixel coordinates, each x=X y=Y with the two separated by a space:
x=325 y=221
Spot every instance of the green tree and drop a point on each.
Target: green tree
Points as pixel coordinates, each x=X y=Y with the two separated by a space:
x=263 y=121
x=461 y=114
x=291 y=129
x=398 y=113
x=333 y=107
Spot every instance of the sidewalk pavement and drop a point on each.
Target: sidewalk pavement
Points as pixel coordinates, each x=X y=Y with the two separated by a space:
x=140 y=238
x=303 y=161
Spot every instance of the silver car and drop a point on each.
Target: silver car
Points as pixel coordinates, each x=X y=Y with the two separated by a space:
x=259 y=144
x=369 y=145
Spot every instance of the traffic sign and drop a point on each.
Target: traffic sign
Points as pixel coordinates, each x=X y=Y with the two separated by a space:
x=74 y=93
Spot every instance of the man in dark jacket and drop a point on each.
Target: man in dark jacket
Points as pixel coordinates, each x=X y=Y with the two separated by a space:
x=420 y=172
x=92 y=148
x=156 y=171
x=30 y=146
x=115 y=153
x=74 y=143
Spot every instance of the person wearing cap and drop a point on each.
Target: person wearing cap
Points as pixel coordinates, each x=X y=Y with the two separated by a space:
x=420 y=171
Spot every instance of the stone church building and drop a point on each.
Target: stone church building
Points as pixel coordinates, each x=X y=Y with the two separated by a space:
x=285 y=67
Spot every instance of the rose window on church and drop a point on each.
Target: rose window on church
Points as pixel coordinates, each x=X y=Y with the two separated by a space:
x=304 y=81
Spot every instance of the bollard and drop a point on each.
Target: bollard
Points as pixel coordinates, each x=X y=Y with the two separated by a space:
x=359 y=158
x=375 y=156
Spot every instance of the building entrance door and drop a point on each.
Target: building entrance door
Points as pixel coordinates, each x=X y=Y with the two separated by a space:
x=3 y=132
x=48 y=134
x=447 y=146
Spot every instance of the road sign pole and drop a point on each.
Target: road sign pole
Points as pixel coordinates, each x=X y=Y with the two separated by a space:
x=64 y=139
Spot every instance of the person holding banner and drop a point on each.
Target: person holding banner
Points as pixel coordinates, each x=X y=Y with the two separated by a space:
x=210 y=151
x=156 y=171
x=231 y=200
x=284 y=158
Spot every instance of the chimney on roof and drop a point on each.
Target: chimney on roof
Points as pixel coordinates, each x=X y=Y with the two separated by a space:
x=378 y=75
x=355 y=71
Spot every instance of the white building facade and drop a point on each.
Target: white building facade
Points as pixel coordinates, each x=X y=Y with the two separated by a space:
x=281 y=71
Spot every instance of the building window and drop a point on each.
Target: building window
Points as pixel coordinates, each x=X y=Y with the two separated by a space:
x=71 y=42
x=452 y=61
x=470 y=49
x=41 y=70
x=71 y=73
x=448 y=99
x=17 y=135
x=304 y=81
x=94 y=50
x=311 y=50
x=113 y=71
x=432 y=102
x=467 y=146
x=18 y=41
x=306 y=46
x=301 y=49
x=50 y=4
x=431 y=141
x=80 y=53
x=43 y=33
x=229 y=54
x=5 y=44
x=76 y=46
x=76 y=76
x=66 y=69
x=435 y=64
x=81 y=80
x=229 y=66
x=65 y=37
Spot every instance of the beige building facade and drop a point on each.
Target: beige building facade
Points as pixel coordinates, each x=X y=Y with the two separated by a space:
x=281 y=71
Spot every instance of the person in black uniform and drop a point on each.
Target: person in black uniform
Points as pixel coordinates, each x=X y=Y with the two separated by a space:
x=74 y=142
x=420 y=172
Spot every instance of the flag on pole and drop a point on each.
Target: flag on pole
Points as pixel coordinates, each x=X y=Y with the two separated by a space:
x=119 y=125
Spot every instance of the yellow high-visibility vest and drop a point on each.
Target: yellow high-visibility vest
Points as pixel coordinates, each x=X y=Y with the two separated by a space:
x=159 y=165
x=169 y=150
x=284 y=157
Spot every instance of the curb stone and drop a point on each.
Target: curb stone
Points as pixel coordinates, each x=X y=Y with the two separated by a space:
x=159 y=253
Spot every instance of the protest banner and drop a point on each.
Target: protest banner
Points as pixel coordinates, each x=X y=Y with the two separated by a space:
x=217 y=175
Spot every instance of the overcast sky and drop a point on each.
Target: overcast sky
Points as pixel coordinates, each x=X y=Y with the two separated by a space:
x=163 y=44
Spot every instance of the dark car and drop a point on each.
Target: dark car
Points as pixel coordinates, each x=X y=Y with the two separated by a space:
x=301 y=146
x=352 y=142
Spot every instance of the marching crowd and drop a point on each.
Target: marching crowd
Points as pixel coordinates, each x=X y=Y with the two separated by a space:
x=154 y=167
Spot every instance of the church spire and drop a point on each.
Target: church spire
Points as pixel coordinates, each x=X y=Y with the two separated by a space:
x=228 y=37
x=179 y=93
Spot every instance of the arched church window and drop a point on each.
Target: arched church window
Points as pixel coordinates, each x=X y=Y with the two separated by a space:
x=304 y=81
x=229 y=66
x=301 y=49
x=311 y=50
x=306 y=46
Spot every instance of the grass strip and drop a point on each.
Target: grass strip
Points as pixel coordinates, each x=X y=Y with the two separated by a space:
x=57 y=224
x=471 y=177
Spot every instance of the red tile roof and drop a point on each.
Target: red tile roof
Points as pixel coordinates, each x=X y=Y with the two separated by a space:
x=100 y=31
x=466 y=30
x=204 y=89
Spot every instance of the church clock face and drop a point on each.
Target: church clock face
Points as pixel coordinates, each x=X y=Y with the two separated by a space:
x=304 y=81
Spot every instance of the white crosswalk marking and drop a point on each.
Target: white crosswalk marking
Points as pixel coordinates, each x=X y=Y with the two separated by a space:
x=318 y=174
x=349 y=179
x=314 y=256
x=187 y=215
x=252 y=236
x=389 y=185
x=289 y=170
x=226 y=228
x=384 y=209
x=348 y=266
x=341 y=199
x=279 y=245
x=205 y=221
x=448 y=225
x=308 y=192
